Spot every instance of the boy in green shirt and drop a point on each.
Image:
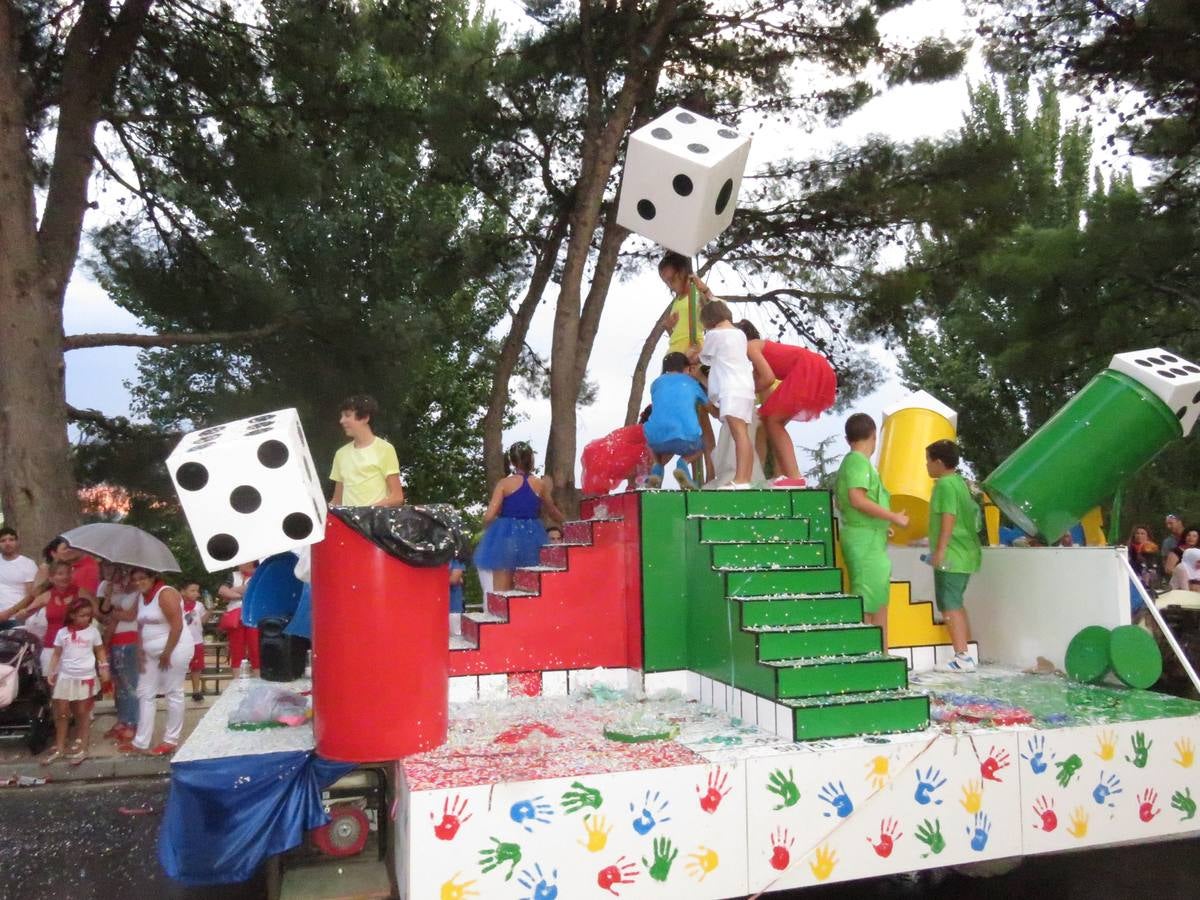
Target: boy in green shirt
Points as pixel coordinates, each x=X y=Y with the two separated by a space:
x=954 y=522
x=866 y=516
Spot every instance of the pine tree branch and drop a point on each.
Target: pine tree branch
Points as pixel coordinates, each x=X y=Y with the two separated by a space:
x=168 y=339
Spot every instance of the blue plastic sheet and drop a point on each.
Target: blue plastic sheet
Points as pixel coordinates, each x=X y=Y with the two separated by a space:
x=273 y=591
x=301 y=624
x=225 y=817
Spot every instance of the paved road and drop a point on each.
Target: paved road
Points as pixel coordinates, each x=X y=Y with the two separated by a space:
x=71 y=842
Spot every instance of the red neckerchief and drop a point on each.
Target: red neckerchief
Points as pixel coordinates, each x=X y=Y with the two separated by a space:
x=149 y=595
x=72 y=630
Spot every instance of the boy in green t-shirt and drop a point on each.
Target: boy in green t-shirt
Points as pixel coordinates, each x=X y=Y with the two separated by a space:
x=866 y=516
x=954 y=522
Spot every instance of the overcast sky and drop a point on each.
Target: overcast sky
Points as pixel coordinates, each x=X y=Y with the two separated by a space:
x=96 y=378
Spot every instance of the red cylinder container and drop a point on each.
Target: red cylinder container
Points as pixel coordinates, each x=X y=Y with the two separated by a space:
x=381 y=656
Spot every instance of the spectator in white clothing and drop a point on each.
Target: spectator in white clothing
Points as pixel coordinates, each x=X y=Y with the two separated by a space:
x=17 y=573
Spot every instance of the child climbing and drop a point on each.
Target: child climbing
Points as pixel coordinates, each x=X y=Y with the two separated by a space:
x=673 y=428
x=954 y=523
x=792 y=383
x=682 y=322
x=730 y=385
x=866 y=514
x=515 y=535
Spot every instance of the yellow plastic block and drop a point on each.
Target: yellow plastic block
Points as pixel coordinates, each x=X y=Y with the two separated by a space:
x=912 y=625
x=905 y=435
x=1093 y=528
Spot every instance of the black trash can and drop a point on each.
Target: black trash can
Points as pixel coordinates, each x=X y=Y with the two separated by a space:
x=282 y=656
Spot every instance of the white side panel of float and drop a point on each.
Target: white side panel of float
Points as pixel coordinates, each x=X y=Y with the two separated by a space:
x=576 y=849
x=1027 y=602
x=1094 y=787
x=808 y=834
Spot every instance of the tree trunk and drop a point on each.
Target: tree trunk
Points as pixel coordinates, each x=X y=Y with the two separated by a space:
x=510 y=352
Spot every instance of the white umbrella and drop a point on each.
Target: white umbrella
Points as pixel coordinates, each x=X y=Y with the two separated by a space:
x=123 y=544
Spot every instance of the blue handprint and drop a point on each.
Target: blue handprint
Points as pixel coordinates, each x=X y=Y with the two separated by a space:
x=837 y=797
x=525 y=812
x=979 y=835
x=1037 y=754
x=540 y=887
x=1108 y=787
x=645 y=822
x=927 y=784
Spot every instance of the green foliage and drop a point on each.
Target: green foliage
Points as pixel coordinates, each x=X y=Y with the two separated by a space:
x=314 y=171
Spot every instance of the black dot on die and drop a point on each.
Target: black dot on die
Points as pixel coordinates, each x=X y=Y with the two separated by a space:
x=1182 y=372
x=685 y=118
x=646 y=210
x=1143 y=362
x=723 y=196
x=727 y=133
x=191 y=476
x=1181 y=412
x=272 y=454
x=1196 y=399
x=1192 y=368
x=267 y=417
x=1155 y=361
x=661 y=133
x=1166 y=373
x=682 y=185
x=222 y=547
x=245 y=499
x=258 y=429
x=297 y=525
x=1169 y=358
x=697 y=148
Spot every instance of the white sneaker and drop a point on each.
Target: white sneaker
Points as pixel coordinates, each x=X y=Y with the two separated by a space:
x=734 y=486
x=959 y=663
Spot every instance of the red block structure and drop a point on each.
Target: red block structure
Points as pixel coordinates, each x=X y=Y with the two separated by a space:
x=581 y=609
x=380 y=632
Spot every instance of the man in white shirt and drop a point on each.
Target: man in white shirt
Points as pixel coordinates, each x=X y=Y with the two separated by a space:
x=17 y=572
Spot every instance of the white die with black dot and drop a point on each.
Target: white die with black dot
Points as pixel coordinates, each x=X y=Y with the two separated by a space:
x=681 y=180
x=1174 y=380
x=248 y=489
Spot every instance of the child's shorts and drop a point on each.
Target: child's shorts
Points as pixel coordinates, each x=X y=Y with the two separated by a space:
x=948 y=589
x=738 y=407
x=68 y=688
x=197 y=663
x=679 y=446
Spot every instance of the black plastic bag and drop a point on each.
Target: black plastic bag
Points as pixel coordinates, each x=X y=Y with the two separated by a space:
x=429 y=535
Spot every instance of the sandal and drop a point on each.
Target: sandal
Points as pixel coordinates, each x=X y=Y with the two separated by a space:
x=76 y=759
x=52 y=756
x=164 y=749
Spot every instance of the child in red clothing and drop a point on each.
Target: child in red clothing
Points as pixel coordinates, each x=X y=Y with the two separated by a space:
x=193 y=616
x=243 y=641
x=793 y=383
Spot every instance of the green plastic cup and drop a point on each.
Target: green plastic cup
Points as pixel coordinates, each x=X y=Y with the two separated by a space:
x=1082 y=455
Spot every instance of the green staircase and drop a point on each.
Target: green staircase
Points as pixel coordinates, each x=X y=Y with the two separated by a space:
x=754 y=601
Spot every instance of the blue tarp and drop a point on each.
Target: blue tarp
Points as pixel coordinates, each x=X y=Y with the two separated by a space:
x=301 y=624
x=273 y=591
x=224 y=817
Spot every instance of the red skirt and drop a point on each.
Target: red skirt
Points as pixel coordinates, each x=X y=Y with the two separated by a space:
x=808 y=383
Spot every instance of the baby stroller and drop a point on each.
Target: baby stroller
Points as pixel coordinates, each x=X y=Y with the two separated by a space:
x=29 y=716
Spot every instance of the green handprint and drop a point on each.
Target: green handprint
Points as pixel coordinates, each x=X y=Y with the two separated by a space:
x=664 y=855
x=931 y=834
x=491 y=857
x=577 y=799
x=785 y=787
x=1182 y=801
x=1067 y=769
x=1141 y=750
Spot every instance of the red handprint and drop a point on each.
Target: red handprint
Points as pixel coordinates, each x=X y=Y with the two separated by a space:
x=1146 y=800
x=889 y=833
x=711 y=799
x=452 y=818
x=994 y=763
x=621 y=873
x=1045 y=808
x=781 y=844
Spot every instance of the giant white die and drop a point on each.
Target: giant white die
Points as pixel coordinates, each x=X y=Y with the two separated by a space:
x=1174 y=380
x=681 y=181
x=248 y=489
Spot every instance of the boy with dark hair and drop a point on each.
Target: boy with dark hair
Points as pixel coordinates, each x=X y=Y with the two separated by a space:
x=673 y=428
x=366 y=471
x=17 y=572
x=954 y=523
x=866 y=515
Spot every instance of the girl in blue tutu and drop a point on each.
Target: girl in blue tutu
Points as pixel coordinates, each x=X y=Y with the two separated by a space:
x=515 y=535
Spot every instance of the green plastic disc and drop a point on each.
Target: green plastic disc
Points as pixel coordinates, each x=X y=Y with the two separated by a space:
x=1088 y=654
x=1135 y=656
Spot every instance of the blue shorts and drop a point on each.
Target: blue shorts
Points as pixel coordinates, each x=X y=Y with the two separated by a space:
x=679 y=446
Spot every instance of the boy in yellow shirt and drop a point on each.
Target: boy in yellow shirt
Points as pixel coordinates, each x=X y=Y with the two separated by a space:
x=366 y=471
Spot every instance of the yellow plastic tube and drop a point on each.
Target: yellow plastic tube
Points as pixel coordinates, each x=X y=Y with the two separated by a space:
x=908 y=428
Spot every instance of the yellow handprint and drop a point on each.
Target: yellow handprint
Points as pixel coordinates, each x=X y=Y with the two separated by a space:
x=700 y=863
x=597 y=833
x=452 y=891
x=826 y=859
x=1079 y=823
x=1186 y=751
x=877 y=770
x=972 y=796
x=1108 y=745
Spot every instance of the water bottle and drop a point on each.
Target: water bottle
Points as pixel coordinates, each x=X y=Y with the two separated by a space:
x=308 y=665
x=244 y=671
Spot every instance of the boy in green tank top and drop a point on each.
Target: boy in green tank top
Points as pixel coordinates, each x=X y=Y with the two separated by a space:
x=866 y=517
x=954 y=523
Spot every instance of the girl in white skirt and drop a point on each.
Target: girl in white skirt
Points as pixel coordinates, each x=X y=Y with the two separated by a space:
x=78 y=653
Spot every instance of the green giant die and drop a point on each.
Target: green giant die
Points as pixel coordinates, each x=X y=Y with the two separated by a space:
x=1120 y=421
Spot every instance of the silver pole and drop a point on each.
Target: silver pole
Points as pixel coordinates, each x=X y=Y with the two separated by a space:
x=1150 y=605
